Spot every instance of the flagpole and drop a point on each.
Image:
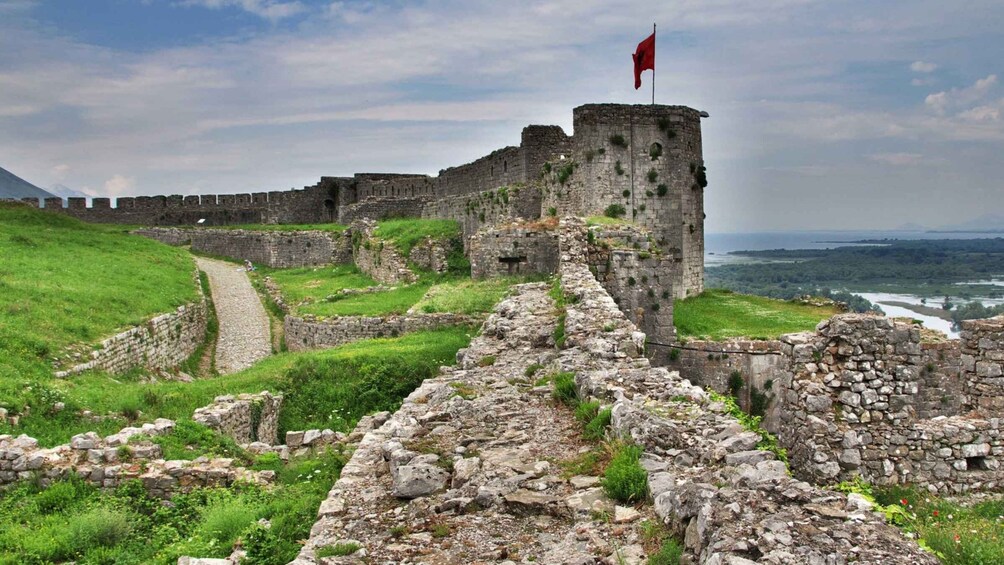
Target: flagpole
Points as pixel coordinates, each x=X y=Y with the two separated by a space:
x=653 y=63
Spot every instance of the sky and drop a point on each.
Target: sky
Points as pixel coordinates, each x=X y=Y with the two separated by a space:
x=824 y=114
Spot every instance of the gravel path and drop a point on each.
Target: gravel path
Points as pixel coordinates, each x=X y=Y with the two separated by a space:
x=244 y=327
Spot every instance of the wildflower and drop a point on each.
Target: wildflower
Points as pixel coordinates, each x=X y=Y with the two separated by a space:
x=935 y=513
x=958 y=539
x=904 y=501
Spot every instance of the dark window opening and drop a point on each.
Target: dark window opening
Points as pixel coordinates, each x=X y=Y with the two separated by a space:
x=977 y=464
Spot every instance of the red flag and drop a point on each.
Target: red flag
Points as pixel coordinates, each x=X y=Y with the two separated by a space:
x=644 y=59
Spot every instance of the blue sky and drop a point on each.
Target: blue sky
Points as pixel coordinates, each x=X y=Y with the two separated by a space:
x=825 y=115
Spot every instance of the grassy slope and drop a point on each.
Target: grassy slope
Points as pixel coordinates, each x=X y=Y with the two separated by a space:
x=466 y=296
x=315 y=283
x=104 y=394
x=721 y=314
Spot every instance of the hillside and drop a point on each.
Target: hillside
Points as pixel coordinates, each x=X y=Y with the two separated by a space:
x=13 y=186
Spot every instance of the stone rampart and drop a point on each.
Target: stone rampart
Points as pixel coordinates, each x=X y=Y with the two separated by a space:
x=475 y=210
x=246 y=418
x=380 y=208
x=728 y=501
x=163 y=342
x=304 y=334
x=377 y=258
x=982 y=366
x=514 y=249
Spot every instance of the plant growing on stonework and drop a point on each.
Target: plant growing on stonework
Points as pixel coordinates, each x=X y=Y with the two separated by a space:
x=662 y=189
x=618 y=168
x=617 y=140
x=614 y=211
x=655 y=151
x=653 y=175
x=625 y=479
x=564 y=388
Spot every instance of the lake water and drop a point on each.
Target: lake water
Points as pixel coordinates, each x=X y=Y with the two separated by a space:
x=718 y=245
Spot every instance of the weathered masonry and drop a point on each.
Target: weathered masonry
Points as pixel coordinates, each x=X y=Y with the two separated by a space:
x=643 y=163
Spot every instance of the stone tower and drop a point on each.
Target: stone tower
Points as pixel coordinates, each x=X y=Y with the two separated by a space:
x=648 y=160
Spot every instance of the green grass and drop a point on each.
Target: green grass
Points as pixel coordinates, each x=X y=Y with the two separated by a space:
x=65 y=282
x=721 y=314
x=396 y=301
x=336 y=228
x=606 y=221
x=370 y=375
x=467 y=296
x=405 y=233
x=625 y=479
x=313 y=284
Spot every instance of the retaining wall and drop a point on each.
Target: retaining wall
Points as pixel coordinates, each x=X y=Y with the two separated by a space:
x=161 y=343
x=303 y=334
x=515 y=249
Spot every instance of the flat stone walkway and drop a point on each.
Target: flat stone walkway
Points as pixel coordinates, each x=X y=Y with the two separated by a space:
x=245 y=336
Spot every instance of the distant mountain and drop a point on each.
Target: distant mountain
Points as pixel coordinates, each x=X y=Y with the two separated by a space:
x=911 y=226
x=67 y=192
x=13 y=186
x=986 y=222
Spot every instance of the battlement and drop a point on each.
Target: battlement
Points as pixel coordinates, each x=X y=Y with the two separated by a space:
x=645 y=159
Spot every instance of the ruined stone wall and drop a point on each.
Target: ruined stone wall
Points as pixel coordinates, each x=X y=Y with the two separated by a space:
x=514 y=249
x=385 y=185
x=982 y=366
x=499 y=168
x=304 y=334
x=638 y=277
x=163 y=342
x=710 y=484
x=246 y=418
x=108 y=462
x=474 y=211
x=942 y=390
x=852 y=409
x=377 y=258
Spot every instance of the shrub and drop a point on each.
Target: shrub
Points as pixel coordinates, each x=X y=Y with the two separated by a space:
x=99 y=526
x=532 y=369
x=614 y=211
x=63 y=494
x=486 y=361
x=226 y=516
x=626 y=194
x=559 y=332
x=564 y=388
x=618 y=168
x=566 y=171
x=662 y=189
x=736 y=383
x=701 y=176
x=674 y=354
x=552 y=211
x=625 y=479
x=653 y=175
x=617 y=140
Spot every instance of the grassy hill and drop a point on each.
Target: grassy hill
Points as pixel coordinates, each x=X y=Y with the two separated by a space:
x=65 y=282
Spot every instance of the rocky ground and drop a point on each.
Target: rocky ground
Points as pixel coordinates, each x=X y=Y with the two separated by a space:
x=478 y=466
x=244 y=326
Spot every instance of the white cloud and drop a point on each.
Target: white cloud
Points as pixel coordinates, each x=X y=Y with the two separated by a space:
x=119 y=185
x=272 y=10
x=986 y=113
x=922 y=67
x=942 y=102
x=926 y=81
x=897 y=159
x=60 y=171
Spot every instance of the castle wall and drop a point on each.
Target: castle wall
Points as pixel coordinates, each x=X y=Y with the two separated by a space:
x=489 y=208
x=277 y=249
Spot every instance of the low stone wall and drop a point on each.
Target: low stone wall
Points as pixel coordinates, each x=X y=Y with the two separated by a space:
x=304 y=334
x=515 y=249
x=728 y=501
x=161 y=343
x=246 y=418
x=851 y=408
x=107 y=463
x=429 y=255
x=171 y=236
